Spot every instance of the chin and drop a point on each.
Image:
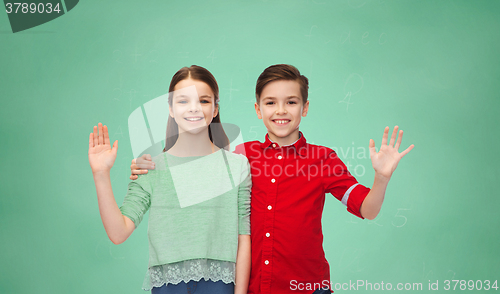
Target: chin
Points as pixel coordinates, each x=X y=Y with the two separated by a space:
x=194 y=131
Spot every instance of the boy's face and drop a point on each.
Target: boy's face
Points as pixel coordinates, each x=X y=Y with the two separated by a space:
x=281 y=108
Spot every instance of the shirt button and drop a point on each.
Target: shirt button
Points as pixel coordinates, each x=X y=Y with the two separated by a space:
x=274 y=145
x=269 y=207
x=267 y=234
x=280 y=157
x=273 y=180
x=266 y=262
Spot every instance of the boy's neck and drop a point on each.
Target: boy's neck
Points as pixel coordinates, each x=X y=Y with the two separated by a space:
x=284 y=141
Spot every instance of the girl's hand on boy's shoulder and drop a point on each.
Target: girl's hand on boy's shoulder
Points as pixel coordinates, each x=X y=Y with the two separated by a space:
x=141 y=165
x=101 y=155
x=387 y=158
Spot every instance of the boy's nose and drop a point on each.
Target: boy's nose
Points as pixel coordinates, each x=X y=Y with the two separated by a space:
x=281 y=110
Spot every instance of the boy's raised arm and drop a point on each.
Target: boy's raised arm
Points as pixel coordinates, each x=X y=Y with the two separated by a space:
x=384 y=163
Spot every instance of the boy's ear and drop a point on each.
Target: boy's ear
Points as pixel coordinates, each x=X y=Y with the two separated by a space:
x=257 y=110
x=305 y=109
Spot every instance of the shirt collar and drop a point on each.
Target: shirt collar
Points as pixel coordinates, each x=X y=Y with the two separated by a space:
x=299 y=145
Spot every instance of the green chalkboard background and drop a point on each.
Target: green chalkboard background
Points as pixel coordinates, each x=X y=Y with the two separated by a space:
x=431 y=67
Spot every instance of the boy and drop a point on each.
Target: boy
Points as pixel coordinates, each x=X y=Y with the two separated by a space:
x=290 y=178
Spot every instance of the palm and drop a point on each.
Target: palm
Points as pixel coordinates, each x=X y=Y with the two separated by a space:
x=101 y=155
x=387 y=158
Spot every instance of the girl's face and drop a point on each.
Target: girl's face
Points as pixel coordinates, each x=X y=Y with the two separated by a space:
x=193 y=106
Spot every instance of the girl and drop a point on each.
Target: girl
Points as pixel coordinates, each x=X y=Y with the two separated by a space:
x=198 y=196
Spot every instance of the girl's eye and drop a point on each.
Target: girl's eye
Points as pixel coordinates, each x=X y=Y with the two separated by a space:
x=269 y=103
x=292 y=102
x=182 y=102
x=205 y=101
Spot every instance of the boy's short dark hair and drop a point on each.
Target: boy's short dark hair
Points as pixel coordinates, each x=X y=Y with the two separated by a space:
x=281 y=72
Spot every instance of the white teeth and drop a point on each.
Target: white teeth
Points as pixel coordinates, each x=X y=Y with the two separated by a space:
x=193 y=118
x=281 y=121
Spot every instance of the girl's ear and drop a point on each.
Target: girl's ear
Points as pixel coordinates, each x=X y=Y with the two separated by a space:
x=170 y=111
x=216 y=110
x=257 y=110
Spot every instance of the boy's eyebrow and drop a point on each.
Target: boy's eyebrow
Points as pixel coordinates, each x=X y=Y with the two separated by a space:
x=288 y=97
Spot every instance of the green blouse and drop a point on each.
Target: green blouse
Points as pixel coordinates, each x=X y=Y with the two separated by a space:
x=198 y=206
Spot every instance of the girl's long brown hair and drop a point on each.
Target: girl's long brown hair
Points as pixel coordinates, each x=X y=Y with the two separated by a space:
x=215 y=130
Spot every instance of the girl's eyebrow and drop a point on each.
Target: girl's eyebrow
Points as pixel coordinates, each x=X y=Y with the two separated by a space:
x=206 y=96
x=181 y=96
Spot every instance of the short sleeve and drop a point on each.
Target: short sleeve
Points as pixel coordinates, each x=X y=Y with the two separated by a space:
x=338 y=181
x=244 y=191
x=138 y=199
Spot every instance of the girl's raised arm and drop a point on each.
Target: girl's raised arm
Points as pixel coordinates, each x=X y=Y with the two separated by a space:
x=101 y=159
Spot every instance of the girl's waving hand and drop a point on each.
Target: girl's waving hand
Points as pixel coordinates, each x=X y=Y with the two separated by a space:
x=101 y=155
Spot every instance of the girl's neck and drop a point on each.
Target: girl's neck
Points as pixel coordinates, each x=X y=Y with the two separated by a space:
x=188 y=144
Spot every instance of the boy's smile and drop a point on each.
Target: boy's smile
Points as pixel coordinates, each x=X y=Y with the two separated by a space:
x=281 y=108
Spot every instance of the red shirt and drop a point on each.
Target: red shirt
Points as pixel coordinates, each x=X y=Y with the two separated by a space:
x=288 y=194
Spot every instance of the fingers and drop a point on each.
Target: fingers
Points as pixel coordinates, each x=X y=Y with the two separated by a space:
x=101 y=137
x=372 y=148
x=139 y=171
x=384 y=137
x=96 y=138
x=134 y=177
x=393 y=136
x=115 y=147
x=145 y=161
x=407 y=150
x=148 y=165
x=106 y=135
x=91 y=140
x=400 y=137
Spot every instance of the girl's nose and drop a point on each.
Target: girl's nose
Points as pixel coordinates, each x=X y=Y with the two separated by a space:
x=194 y=106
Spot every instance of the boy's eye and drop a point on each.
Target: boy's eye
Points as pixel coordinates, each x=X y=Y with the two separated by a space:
x=269 y=102
x=292 y=102
x=205 y=101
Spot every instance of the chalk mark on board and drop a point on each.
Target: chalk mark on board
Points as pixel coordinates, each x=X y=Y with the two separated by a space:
x=231 y=89
x=380 y=38
x=310 y=31
x=347 y=98
x=401 y=216
x=212 y=55
x=348 y=37
x=365 y=35
x=136 y=53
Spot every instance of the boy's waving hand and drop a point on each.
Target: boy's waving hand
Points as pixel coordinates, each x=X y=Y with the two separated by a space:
x=140 y=165
x=387 y=158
